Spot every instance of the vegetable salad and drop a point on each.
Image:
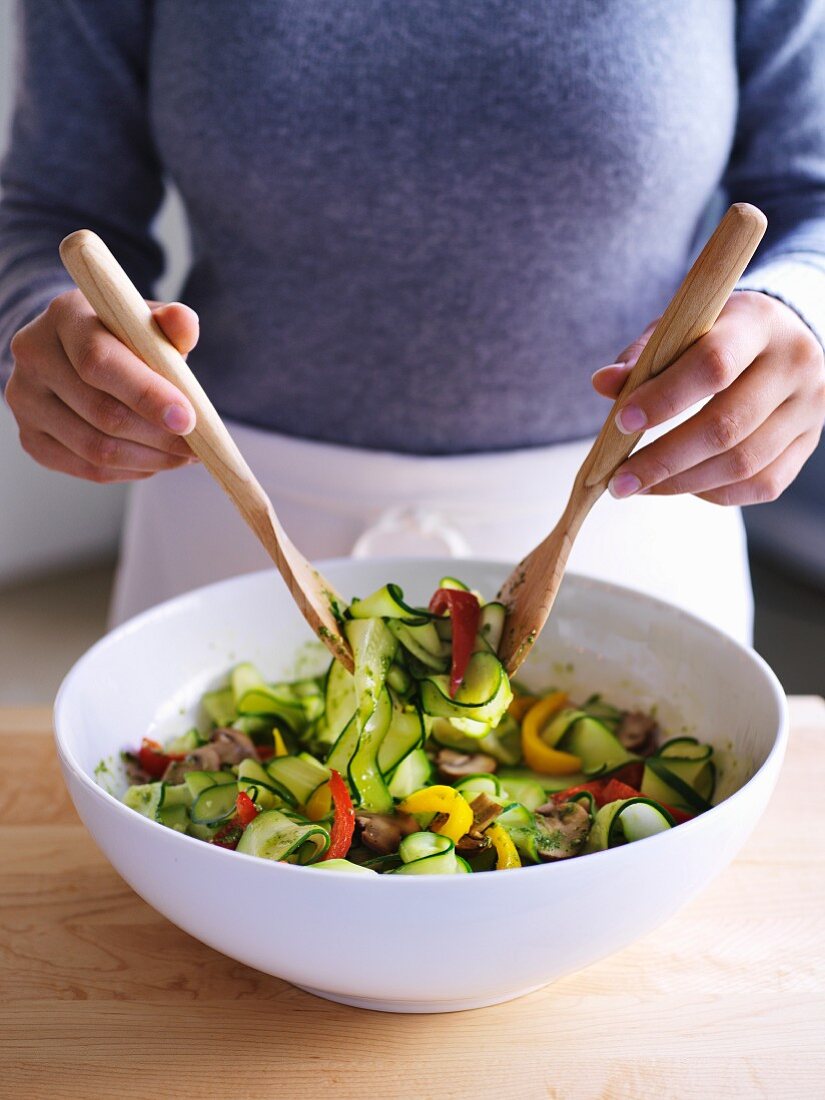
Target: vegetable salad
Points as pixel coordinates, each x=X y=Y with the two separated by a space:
x=425 y=760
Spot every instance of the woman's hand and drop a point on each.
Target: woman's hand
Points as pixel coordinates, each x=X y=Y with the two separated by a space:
x=87 y=406
x=765 y=374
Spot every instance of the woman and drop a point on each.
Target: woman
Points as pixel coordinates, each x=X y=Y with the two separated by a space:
x=417 y=228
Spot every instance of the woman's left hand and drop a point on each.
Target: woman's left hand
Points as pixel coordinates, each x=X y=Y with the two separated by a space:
x=764 y=371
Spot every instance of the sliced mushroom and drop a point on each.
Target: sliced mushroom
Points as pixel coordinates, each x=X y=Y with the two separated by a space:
x=382 y=833
x=233 y=745
x=204 y=759
x=562 y=830
x=485 y=811
x=638 y=732
x=458 y=765
x=471 y=843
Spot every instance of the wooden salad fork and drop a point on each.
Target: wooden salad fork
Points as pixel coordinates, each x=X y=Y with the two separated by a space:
x=529 y=591
x=120 y=307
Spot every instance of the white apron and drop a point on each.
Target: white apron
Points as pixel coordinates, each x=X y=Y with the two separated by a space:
x=181 y=531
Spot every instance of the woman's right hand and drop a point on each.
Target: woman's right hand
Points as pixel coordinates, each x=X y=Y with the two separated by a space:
x=87 y=406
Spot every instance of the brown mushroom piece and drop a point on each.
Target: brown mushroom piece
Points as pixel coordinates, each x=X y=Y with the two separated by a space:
x=204 y=759
x=382 y=833
x=562 y=830
x=233 y=745
x=458 y=765
x=638 y=732
x=485 y=811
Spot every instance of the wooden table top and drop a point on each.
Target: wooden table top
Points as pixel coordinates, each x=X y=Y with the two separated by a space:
x=102 y=997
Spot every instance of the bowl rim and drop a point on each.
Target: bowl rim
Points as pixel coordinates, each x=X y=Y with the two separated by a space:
x=166 y=607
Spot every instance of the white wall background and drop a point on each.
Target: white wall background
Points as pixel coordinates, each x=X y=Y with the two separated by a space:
x=49 y=520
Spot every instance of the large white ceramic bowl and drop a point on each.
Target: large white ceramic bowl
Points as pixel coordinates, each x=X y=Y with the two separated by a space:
x=435 y=943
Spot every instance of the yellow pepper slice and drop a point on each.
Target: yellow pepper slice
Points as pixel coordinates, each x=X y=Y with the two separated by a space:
x=520 y=705
x=278 y=741
x=539 y=756
x=507 y=855
x=320 y=803
x=442 y=800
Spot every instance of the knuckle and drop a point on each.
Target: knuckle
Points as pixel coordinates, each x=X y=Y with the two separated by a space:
x=146 y=402
x=10 y=392
x=29 y=442
x=722 y=430
x=110 y=415
x=91 y=359
x=718 y=366
x=101 y=449
x=19 y=346
x=655 y=469
x=743 y=464
x=769 y=486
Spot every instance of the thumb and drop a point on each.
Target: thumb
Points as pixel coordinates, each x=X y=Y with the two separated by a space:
x=179 y=323
x=608 y=381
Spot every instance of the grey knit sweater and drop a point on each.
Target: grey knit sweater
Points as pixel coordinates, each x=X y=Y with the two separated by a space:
x=417 y=225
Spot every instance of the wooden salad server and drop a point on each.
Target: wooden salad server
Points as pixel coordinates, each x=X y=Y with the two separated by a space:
x=529 y=591
x=121 y=308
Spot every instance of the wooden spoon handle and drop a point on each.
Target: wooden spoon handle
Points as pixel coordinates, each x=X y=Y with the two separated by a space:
x=692 y=312
x=120 y=307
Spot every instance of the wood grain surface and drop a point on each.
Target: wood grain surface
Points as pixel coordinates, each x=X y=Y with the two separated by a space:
x=102 y=997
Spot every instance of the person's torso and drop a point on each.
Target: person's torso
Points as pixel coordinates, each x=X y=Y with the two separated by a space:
x=420 y=225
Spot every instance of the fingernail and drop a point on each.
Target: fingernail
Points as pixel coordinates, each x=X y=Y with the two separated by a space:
x=178 y=419
x=630 y=419
x=624 y=485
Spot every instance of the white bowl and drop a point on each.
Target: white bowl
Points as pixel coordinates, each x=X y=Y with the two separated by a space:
x=435 y=943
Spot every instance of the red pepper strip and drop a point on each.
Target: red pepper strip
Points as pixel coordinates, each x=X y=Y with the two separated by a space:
x=595 y=787
x=343 y=821
x=632 y=774
x=247 y=810
x=465 y=612
x=154 y=760
x=265 y=752
x=229 y=835
x=615 y=790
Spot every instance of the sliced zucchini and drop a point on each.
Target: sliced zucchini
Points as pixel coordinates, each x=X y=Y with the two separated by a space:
x=266 y=792
x=146 y=798
x=342 y=751
x=627 y=820
x=662 y=784
x=482 y=783
x=483 y=696
x=220 y=706
x=339 y=704
x=369 y=787
x=273 y=835
x=200 y=781
x=177 y=794
x=185 y=743
x=406 y=732
x=423 y=643
x=215 y=804
x=529 y=792
x=342 y=865
x=414 y=772
x=491 y=624
x=298 y=776
x=599 y=750
x=387 y=603
x=429 y=854
x=374 y=648
x=174 y=817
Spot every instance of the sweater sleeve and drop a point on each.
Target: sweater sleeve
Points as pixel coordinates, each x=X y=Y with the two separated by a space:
x=778 y=157
x=80 y=154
